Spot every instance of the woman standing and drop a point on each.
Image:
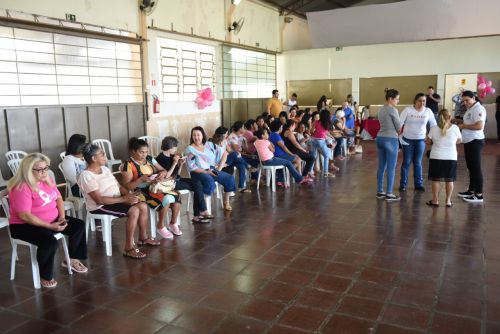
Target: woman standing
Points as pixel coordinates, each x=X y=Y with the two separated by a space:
x=202 y=166
x=387 y=145
x=473 y=138
x=142 y=170
x=319 y=132
x=414 y=121
x=321 y=103
x=37 y=213
x=443 y=159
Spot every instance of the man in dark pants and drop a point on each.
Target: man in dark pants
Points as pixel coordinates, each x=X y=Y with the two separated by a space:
x=497 y=117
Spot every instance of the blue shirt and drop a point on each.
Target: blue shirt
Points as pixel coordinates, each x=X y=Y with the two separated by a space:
x=349 y=118
x=275 y=138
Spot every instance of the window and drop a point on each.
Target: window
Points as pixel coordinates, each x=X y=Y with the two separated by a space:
x=41 y=68
x=185 y=69
x=248 y=74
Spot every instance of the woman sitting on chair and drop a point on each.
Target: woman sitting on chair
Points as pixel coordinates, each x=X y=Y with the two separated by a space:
x=104 y=195
x=37 y=213
x=142 y=170
x=172 y=163
x=73 y=163
x=201 y=163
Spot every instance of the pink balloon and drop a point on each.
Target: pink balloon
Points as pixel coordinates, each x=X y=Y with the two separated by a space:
x=487 y=90
x=481 y=86
x=489 y=83
x=481 y=79
x=493 y=90
x=482 y=95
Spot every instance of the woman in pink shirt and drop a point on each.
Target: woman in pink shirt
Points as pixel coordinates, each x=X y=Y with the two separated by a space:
x=37 y=213
x=319 y=134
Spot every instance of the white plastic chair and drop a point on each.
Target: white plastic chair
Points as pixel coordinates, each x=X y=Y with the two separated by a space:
x=11 y=155
x=153 y=213
x=106 y=226
x=153 y=143
x=271 y=174
x=208 y=199
x=14 y=165
x=77 y=201
x=105 y=145
x=69 y=207
x=33 y=248
x=62 y=155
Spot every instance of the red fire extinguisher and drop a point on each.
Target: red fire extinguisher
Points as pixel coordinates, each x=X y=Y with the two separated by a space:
x=156 y=104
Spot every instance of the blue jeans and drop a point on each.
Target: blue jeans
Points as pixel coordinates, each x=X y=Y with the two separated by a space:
x=233 y=160
x=387 y=150
x=208 y=181
x=414 y=152
x=283 y=162
x=338 y=148
x=320 y=144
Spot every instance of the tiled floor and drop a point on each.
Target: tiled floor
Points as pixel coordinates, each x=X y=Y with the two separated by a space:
x=329 y=258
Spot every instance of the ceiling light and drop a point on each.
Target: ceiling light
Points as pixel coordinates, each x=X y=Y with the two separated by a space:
x=235 y=2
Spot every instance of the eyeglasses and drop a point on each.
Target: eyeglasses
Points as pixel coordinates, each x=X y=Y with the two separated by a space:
x=41 y=170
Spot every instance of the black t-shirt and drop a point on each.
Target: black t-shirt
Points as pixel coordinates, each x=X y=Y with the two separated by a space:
x=431 y=104
x=167 y=162
x=498 y=103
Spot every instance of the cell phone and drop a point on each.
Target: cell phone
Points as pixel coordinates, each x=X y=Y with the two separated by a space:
x=153 y=176
x=64 y=223
x=215 y=171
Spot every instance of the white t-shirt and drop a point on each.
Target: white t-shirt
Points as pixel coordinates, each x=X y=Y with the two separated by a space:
x=415 y=122
x=72 y=167
x=290 y=103
x=475 y=114
x=444 y=147
x=105 y=182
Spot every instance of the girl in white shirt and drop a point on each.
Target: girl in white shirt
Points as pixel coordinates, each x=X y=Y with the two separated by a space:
x=414 y=120
x=443 y=159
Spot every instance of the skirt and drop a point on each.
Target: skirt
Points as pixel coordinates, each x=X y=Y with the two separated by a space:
x=159 y=199
x=442 y=170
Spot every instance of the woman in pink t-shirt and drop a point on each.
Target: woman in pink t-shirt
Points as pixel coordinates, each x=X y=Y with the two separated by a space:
x=37 y=213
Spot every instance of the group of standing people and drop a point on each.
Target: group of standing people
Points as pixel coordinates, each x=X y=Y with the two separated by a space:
x=409 y=130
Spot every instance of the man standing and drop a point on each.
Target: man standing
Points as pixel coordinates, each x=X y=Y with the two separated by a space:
x=273 y=105
x=432 y=101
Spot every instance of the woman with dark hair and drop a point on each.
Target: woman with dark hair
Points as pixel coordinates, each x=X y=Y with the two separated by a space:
x=414 y=121
x=294 y=146
x=473 y=138
x=201 y=162
x=283 y=117
x=319 y=132
x=73 y=163
x=172 y=163
x=261 y=121
x=139 y=172
x=387 y=145
x=321 y=103
x=104 y=195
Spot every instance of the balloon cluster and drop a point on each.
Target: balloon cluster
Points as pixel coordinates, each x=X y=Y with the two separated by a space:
x=205 y=98
x=484 y=87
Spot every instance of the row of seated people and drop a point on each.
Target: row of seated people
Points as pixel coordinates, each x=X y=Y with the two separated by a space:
x=36 y=205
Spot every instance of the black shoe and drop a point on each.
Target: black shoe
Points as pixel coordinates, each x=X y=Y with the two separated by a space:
x=473 y=199
x=381 y=195
x=420 y=189
x=402 y=189
x=465 y=193
x=392 y=198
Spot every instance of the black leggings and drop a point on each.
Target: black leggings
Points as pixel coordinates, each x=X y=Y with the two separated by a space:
x=472 y=152
x=47 y=244
x=309 y=160
x=196 y=187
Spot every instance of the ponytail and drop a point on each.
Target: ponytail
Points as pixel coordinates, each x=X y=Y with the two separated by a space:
x=443 y=118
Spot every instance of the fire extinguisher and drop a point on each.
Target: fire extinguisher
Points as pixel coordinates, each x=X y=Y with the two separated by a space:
x=156 y=104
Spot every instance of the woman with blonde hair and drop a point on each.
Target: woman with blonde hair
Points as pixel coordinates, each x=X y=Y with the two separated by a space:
x=37 y=213
x=443 y=159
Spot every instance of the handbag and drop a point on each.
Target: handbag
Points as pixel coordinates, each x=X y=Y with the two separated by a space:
x=165 y=187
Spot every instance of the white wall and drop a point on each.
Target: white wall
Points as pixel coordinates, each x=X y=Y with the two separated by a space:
x=466 y=55
x=294 y=35
x=122 y=14
x=405 y=21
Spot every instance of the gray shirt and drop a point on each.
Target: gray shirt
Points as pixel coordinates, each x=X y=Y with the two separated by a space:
x=389 y=122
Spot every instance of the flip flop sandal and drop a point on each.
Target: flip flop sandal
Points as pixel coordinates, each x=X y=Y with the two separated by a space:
x=76 y=266
x=429 y=203
x=449 y=205
x=200 y=221
x=208 y=217
x=134 y=253
x=246 y=191
x=49 y=284
x=148 y=242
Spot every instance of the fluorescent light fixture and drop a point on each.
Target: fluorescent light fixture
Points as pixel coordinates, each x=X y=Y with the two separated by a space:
x=235 y=2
